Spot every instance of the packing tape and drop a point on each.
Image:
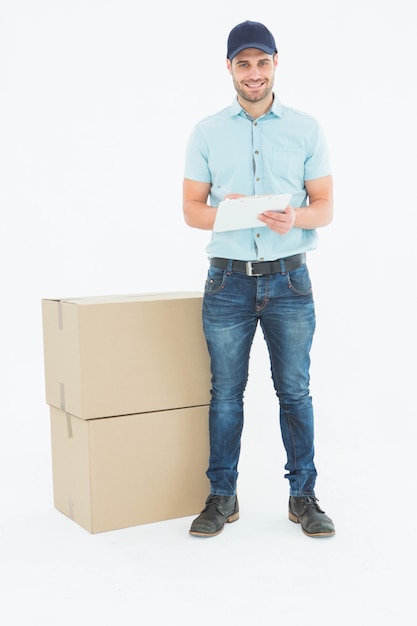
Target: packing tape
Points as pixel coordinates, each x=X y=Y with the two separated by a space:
x=69 y=425
x=60 y=316
x=62 y=396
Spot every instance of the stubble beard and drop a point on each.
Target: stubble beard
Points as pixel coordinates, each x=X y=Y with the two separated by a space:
x=255 y=97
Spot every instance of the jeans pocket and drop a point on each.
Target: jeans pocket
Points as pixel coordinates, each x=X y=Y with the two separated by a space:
x=216 y=280
x=299 y=281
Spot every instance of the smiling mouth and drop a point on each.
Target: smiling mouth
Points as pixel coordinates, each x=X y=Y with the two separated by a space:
x=254 y=85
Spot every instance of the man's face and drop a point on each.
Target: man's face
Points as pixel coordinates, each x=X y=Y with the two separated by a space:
x=253 y=73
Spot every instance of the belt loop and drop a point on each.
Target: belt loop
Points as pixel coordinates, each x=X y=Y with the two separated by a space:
x=282 y=264
x=229 y=266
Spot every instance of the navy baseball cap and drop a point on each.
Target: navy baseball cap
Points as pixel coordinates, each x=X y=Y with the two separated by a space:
x=250 y=35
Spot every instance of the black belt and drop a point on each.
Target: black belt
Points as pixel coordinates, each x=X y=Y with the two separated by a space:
x=258 y=268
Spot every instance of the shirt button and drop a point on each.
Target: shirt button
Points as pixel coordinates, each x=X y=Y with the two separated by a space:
x=258 y=235
x=256 y=151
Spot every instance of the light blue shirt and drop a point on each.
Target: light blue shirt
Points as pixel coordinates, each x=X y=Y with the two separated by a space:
x=273 y=154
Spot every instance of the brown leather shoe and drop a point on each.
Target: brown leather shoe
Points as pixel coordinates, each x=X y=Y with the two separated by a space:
x=314 y=522
x=218 y=511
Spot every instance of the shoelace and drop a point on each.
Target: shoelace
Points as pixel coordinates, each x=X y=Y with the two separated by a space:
x=215 y=501
x=313 y=501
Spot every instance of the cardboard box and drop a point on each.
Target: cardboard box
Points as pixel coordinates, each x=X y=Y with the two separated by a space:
x=119 y=355
x=128 y=470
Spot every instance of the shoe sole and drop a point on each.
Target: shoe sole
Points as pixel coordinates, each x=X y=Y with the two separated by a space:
x=232 y=518
x=295 y=519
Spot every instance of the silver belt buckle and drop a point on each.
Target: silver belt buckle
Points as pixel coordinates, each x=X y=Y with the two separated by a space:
x=249 y=269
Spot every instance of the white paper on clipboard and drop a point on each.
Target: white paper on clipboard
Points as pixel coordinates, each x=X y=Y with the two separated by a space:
x=239 y=213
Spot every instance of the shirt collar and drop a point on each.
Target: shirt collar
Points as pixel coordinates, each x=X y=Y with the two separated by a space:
x=276 y=108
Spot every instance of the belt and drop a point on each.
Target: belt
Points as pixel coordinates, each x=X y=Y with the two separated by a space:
x=259 y=268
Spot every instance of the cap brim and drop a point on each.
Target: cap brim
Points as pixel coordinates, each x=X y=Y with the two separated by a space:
x=253 y=44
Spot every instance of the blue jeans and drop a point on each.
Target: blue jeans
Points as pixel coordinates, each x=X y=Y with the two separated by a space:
x=283 y=305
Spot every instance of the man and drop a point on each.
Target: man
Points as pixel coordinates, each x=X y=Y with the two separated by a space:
x=259 y=275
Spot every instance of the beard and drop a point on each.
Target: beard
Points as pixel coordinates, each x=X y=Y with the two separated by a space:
x=253 y=96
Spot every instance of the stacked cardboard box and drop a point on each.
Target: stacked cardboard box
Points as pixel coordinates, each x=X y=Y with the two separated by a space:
x=127 y=380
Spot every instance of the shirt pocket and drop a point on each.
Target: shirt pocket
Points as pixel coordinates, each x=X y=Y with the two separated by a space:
x=289 y=165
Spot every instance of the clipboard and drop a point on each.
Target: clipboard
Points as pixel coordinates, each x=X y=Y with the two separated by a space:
x=240 y=213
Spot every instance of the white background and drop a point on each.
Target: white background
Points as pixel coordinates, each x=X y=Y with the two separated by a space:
x=97 y=100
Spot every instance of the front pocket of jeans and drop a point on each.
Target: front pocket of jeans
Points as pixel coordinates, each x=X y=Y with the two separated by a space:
x=299 y=281
x=216 y=280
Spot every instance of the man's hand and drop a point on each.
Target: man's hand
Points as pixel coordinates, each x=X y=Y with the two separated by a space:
x=234 y=196
x=279 y=222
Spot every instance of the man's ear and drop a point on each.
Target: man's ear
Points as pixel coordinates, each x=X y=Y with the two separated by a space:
x=229 y=66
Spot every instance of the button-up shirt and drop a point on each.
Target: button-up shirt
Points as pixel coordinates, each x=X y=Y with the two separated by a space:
x=273 y=154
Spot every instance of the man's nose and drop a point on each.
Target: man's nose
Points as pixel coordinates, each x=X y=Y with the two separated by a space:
x=254 y=73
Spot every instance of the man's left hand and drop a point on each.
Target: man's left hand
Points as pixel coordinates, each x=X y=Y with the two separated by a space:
x=280 y=222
